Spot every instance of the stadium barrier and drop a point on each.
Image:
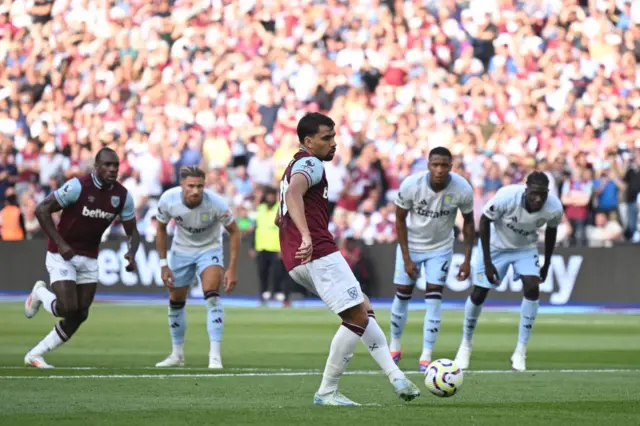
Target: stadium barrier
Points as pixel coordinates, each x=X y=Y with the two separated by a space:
x=585 y=276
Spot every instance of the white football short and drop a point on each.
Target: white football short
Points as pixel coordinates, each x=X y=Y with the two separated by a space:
x=331 y=278
x=81 y=269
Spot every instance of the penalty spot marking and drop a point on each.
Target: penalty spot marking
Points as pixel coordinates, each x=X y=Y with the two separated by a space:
x=283 y=374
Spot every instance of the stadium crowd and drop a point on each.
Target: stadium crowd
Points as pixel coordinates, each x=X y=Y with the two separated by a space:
x=508 y=86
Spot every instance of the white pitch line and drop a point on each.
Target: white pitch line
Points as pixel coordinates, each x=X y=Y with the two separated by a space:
x=285 y=374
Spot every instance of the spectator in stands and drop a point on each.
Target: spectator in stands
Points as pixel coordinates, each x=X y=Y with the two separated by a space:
x=632 y=180
x=11 y=218
x=222 y=84
x=576 y=197
x=605 y=232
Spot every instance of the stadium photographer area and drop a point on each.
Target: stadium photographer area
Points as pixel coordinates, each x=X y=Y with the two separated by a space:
x=579 y=278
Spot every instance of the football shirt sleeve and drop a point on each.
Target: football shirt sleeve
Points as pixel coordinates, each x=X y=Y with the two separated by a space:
x=128 y=211
x=310 y=167
x=68 y=193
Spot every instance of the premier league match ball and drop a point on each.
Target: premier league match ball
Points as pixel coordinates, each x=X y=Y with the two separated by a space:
x=443 y=378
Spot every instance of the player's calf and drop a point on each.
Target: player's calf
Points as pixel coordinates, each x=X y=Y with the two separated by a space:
x=472 y=311
x=399 y=314
x=215 y=326
x=431 y=326
x=177 y=329
x=528 y=314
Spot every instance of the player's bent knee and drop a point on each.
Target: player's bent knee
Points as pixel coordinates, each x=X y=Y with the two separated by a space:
x=433 y=291
x=356 y=315
x=531 y=287
x=177 y=304
x=478 y=295
x=369 y=307
x=403 y=292
x=178 y=294
x=211 y=278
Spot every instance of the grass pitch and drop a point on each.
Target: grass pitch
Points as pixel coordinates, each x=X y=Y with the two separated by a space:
x=584 y=370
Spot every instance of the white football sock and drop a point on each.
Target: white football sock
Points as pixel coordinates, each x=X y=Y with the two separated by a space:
x=342 y=346
x=376 y=343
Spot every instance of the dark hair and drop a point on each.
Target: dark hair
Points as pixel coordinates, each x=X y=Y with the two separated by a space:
x=309 y=125
x=105 y=150
x=191 y=171
x=538 y=178
x=442 y=151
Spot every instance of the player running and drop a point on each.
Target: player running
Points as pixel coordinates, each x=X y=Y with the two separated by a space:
x=89 y=204
x=196 y=254
x=426 y=210
x=508 y=237
x=311 y=257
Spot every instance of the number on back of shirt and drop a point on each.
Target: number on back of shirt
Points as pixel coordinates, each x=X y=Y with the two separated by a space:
x=283 y=190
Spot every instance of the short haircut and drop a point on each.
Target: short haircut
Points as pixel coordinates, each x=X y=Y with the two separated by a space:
x=442 y=151
x=104 y=151
x=309 y=125
x=191 y=171
x=538 y=178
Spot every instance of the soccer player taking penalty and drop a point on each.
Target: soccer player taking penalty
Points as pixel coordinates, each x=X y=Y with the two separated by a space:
x=196 y=253
x=508 y=237
x=312 y=259
x=426 y=209
x=89 y=205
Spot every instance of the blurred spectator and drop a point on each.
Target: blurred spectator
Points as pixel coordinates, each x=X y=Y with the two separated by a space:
x=508 y=86
x=632 y=179
x=11 y=219
x=576 y=197
x=605 y=232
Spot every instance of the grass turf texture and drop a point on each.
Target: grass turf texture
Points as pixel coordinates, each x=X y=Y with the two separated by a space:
x=274 y=358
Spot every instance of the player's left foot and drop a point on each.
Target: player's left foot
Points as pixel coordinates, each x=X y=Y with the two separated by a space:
x=33 y=303
x=215 y=362
x=424 y=364
x=172 y=360
x=36 y=361
x=518 y=361
x=405 y=389
x=396 y=356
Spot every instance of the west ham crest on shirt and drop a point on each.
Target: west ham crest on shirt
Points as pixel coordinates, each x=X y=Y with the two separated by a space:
x=115 y=201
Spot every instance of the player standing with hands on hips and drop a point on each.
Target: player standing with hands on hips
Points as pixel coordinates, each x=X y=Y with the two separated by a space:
x=426 y=210
x=509 y=237
x=196 y=254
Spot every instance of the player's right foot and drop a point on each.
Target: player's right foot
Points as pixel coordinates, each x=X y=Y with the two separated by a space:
x=423 y=365
x=172 y=361
x=333 y=398
x=463 y=356
x=396 y=356
x=36 y=361
x=518 y=361
x=405 y=389
x=33 y=303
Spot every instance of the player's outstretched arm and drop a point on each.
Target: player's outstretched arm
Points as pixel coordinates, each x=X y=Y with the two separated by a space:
x=231 y=276
x=295 y=204
x=550 y=236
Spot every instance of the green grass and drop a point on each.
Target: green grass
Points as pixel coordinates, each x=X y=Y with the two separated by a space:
x=121 y=343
